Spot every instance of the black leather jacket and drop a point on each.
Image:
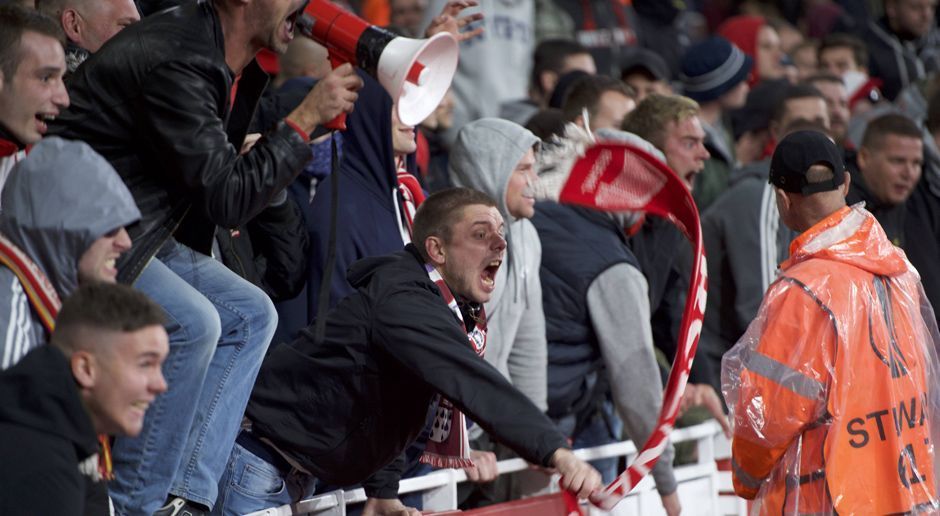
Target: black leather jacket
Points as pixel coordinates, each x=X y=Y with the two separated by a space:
x=155 y=102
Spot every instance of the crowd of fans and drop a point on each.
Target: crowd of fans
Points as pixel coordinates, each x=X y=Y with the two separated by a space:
x=313 y=309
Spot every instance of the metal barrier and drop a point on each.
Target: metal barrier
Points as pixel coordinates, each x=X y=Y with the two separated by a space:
x=703 y=489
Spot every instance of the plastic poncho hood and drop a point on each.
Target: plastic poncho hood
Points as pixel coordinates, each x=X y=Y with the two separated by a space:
x=58 y=201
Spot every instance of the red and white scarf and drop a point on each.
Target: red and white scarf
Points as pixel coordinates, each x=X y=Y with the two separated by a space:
x=449 y=446
x=411 y=194
x=10 y=155
x=617 y=178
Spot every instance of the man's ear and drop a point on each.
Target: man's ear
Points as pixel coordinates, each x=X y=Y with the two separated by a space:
x=84 y=369
x=579 y=121
x=72 y=24
x=434 y=247
x=774 y=128
x=782 y=197
x=891 y=10
x=548 y=80
x=862 y=157
x=846 y=184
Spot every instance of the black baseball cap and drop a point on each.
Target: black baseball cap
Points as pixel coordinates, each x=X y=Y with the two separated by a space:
x=796 y=153
x=641 y=59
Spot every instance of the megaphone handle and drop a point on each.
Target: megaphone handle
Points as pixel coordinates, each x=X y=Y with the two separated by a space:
x=338 y=123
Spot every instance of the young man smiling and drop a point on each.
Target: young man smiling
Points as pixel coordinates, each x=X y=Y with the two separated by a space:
x=32 y=63
x=98 y=376
x=413 y=328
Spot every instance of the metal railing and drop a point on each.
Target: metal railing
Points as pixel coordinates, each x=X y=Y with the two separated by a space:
x=700 y=483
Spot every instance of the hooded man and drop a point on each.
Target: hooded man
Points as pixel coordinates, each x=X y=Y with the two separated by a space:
x=71 y=239
x=370 y=208
x=515 y=322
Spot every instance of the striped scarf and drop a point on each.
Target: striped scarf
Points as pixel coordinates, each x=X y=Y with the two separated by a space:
x=411 y=194
x=449 y=446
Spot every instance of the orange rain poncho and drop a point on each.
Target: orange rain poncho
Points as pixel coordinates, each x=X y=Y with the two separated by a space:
x=833 y=389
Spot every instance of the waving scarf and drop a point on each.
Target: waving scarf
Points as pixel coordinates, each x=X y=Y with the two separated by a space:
x=619 y=177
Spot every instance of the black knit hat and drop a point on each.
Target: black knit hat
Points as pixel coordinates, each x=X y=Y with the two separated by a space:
x=712 y=68
x=796 y=153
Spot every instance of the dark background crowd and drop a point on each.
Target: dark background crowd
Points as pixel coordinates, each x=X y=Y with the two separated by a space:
x=149 y=148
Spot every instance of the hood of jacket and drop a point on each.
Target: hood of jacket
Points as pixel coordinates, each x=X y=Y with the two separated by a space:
x=58 y=201
x=39 y=393
x=368 y=154
x=485 y=154
x=360 y=273
x=851 y=236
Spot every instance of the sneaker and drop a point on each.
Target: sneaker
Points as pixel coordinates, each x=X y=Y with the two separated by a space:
x=181 y=507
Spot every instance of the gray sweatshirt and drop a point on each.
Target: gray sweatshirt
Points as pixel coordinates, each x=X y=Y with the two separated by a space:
x=620 y=313
x=484 y=156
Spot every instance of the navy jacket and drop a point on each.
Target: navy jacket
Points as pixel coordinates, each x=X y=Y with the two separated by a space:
x=569 y=266
x=368 y=185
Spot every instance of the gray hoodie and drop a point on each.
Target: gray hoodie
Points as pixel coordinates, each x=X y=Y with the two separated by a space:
x=56 y=203
x=483 y=158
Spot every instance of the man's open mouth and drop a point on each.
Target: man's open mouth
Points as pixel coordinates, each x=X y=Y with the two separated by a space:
x=291 y=20
x=42 y=119
x=489 y=273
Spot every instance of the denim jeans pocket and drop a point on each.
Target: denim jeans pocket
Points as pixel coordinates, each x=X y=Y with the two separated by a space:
x=257 y=478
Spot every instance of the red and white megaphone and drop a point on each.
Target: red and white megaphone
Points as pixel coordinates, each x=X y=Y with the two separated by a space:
x=416 y=73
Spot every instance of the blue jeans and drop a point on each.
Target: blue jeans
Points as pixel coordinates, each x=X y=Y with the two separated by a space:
x=220 y=327
x=251 y=484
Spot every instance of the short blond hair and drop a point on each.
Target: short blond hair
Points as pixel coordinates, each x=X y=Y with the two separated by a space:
x=650 y=118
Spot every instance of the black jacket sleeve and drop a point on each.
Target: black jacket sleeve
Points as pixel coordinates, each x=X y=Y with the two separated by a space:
x=384 y=482
x=185 y=129
x=416 y=328
x=271 y=252
x=280 y=245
